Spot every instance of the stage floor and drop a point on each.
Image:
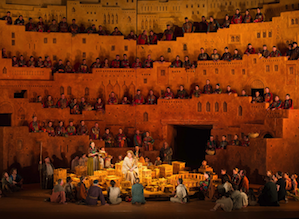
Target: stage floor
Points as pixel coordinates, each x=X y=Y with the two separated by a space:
x=29 y=204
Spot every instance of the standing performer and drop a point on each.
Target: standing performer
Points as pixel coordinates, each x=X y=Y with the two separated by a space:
x=93 y=161
x=148 y=142
x=130 y=168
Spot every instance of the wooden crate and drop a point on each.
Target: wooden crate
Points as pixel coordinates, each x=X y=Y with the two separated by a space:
x=208 y=169
x=166 y=170
x=110 y=172
x=146 y=173
x=117 y=180
x=157 y=170
x=147 y=180
x=125 y=184
x=178 y=166
x=59 y=174
x=183 y=172
x=81 y=170
x=101 y=175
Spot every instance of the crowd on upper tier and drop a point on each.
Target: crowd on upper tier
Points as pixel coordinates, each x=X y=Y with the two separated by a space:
x=188 y=27
x=292 y=54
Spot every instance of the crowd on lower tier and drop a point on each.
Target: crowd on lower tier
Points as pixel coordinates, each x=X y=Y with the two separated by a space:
x=292 y=54
x=169 y=34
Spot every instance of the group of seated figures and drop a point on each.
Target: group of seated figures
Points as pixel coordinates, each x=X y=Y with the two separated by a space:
x=292 y=54
x=169 y=34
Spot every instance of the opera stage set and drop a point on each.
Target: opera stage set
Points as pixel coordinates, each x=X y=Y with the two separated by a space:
x=185 y=124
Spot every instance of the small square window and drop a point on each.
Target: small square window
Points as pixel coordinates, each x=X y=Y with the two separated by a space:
x=112 y=48
x=54 y=58
x=169 y=50
x=144 y=80
x=13 y=35
x=185 y=47
x=270 y=34
x=258 y=35
x=204 y=72
x=264 y=34
x=233 y=71
x=216 y=70
x=126 y=48
x=13 y=42
x=45 y=40
x=254 y=61
x=84 y=40
x=243 y=71
x=54 y=40
x=162 y=72
x=84 y=55
x=267 y=68
x=87 y=12
x=276 y=67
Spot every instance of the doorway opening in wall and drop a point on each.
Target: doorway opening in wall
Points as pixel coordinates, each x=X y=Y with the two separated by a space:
x=190 y=144
x=20 y=94
x=268 y=135
x=261 y=90
x=5 y=119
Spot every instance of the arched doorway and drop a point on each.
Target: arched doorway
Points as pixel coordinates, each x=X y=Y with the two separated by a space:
x=268 y=135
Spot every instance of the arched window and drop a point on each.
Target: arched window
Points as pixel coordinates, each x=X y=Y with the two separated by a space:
x=104 y=18
x=86 y=91
x=116 y=19
x=69 y=90
x=61 y=90
x=225 y=107
x=4 y=70
x=216 y=107
x=296 y=20
x=108 y=18
x=112 y=19
x=240 y=111
x=233 y=39
x=145 y=117
x=292 y=21
x=208 y=107
x=199 y=107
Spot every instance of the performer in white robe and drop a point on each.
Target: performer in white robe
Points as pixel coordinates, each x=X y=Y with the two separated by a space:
x=130 y=168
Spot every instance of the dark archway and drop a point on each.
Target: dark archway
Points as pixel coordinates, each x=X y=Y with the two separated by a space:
x=268 y=135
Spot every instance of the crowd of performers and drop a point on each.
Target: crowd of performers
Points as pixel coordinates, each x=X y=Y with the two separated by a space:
x=169 y=34
x=59 y=67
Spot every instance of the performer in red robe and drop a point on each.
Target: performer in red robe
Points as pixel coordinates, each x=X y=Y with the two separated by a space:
x=95 y=132
x=112 y=99
x=143 y=39
x=125 y=62
x=268 y=97
x=34 y=126
x=62 y=103
x=116 y=62
x=237 y=18
x=168 y=94
x=168 y=34
x=138 y=99
x=277 y=104
x=207 y=89
x=137 y=64
x=288 y=103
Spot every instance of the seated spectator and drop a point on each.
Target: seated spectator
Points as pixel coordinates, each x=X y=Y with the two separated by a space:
x=151 y=98
x=142 y=38
x=63 y=25
x=213 y=25
x=95 y=132
x=15 y=62
x=288 y=103
x=237 y=198
x=94 y=194
x=22 y=61
x=102 y=32
x=247 y=17
x=236 y=141
x=236 y=55
x=152 y=39
x=112 y=99
x=229 y=91
x=69 y=68
x=53 y=27
x=19 y=21
x=69 y=190
x=138 y=98
x=99 y=106
x=235 y=177
x=243 y=93
x=113 y=194
x=295 y=191
x=187 y=26
x=92 y=29
x=181 y=195
x=264 y=53
x=83 y=67
x=60 y=130
x=59 y=68
x=288 y=182
x=168 y=94
x=132 y=36
x=34 y=126
x=125 y=62
x=277 y=104
x=226 y=22
x=275 y=52
x=74 y=28
x=125 y=101
x=257 y=98
x=148 y=142
x=105 y=64
x=40 y=26
x=204 y=185
x=83 y=160
x=245 y=142
x=215 y=56
x=58 y=193
x=269 y=196
x=295 y=52
x=116 y=62
x=31 y=62
x=177 y=63
x=16 y=179
x=7 y=185
x=137 y=193
x=137 y=151
x=82 y=128
x=108 y=163
x=289 y=51
x=223 y=144
x=182 y=93
x=47 y=62
x=116 y=32
x=259 y=16
x=187 y=64
x=148 y=63
x=268 y=97
x=49 y=103
x=7 y=18
x=225 y=178
x=244 y=182
x=148 y=162
x=74 y=107
x=168 y=34
x=249 y=50
x=203 y=56
x=225 y=203
x=207 y=89
x=75 y=163
x=211 y=144
x=226 y=56
x=203 y=26
x=81 y=189
x=96 y=64
x=137 y=63
x=237 y=18
x=196 y=92
x=204 y=164
x=121 y=139
x=281 y=187
x=217 y=90
x=39 y=99
x=50 y=130
x=30 y=26
x=158 y=161
x=40 y=63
